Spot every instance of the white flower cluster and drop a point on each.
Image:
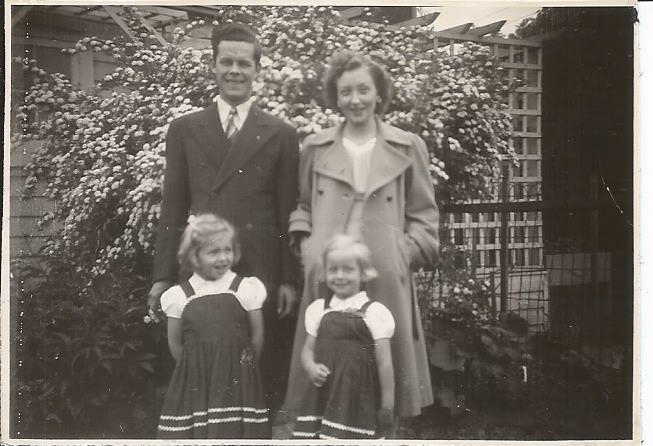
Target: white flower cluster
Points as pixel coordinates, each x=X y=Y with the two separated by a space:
x=103 y=150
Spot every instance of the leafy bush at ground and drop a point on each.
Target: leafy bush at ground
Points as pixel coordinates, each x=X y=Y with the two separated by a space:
x=477 y=354
x=87 y=364
x=86 y=357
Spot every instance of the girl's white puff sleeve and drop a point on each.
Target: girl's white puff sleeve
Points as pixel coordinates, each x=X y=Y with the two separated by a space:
x=379 y=320
x=313 y=316
x=251 y=293
x=173 y=301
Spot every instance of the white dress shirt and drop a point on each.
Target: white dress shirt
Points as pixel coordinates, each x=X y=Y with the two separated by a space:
x=242 y=110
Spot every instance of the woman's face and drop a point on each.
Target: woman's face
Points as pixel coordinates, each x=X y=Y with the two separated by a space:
x=357 y=95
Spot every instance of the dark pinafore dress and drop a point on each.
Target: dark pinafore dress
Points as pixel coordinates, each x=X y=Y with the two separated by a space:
x=346 y=405
x=215 y=390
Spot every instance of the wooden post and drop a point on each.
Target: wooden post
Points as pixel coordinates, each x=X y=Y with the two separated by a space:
x=493 y=294
x=474 y=251
x=596 y=297
x=504 y=237
x=113 y=13
x=81 y=69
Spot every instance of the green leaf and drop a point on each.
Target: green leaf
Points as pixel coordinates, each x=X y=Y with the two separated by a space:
x=491 y=347
x=53 y=417
x=444 y=356
x=147 y=366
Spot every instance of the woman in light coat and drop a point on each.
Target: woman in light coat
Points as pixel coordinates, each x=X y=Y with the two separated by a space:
x=371 y=180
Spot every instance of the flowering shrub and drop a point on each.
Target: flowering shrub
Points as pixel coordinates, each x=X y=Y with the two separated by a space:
x=471 y=344
x=102 y=157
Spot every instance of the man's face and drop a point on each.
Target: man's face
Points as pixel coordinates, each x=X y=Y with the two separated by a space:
x=235 y=70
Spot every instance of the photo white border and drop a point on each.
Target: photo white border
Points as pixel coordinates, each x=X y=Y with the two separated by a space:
x=643 y=38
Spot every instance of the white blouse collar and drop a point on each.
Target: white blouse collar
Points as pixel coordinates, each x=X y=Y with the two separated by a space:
x=199 y=283
x=355 y=301
x=351 y=145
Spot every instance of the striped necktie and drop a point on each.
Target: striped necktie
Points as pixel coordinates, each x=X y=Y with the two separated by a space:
x=231 y=129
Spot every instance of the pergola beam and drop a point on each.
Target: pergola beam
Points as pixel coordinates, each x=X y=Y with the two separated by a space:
x=154 y=32
x=205 y=11
x=113 y=13
x=424 y=20
x=21 y=12
x=351 y=13
x=486 y=29
x=88 y=9
x=460 y=29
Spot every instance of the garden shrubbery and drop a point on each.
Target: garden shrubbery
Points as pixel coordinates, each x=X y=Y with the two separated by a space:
x=85 y=346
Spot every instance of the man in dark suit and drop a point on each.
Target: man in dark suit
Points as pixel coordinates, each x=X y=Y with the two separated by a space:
x=236 y=161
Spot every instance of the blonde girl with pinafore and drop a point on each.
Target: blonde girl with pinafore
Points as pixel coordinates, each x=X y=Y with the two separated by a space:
x=215 y=334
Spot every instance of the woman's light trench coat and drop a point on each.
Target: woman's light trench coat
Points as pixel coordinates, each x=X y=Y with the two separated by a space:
x=396 y=217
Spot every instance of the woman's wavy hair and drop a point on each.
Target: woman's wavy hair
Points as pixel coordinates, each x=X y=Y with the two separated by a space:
x=346 y=60
x=200 y=229
x=345 y=242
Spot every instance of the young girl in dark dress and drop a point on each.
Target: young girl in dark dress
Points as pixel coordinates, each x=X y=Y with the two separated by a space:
x=347 y=352
x=215 y=334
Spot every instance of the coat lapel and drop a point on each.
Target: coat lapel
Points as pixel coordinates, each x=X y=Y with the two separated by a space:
x=334 y=163
x=209 y=135
x=256 y=130
x=387 y=162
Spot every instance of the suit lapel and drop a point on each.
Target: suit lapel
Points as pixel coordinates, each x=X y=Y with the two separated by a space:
x=210 y=136
x=256 y=130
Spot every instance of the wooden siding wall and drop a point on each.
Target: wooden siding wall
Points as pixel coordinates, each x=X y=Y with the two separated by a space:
x=26 y=237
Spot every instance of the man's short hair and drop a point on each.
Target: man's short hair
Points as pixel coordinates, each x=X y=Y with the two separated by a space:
x=235 y=32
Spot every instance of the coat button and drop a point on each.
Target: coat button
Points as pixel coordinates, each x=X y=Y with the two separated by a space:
x=249 y=226
x=389 y=198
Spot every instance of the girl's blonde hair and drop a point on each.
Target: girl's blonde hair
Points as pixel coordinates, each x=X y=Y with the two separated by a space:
x=345 y=242
x=199 y=230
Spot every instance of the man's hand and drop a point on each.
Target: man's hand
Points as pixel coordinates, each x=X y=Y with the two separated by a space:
x=286 y=300
x=154 y=300
x=318 y=373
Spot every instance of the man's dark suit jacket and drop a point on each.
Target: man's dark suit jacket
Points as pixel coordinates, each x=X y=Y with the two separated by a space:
x=252 y=184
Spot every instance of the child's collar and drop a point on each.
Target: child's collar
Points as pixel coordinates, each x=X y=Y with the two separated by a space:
x=197 y=280
x=353 y=300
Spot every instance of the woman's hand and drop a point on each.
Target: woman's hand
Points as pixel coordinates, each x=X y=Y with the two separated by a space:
x=318 y=373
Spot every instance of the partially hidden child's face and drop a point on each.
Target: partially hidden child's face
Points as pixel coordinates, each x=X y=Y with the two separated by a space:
x=343 y=273
x=215 y=257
